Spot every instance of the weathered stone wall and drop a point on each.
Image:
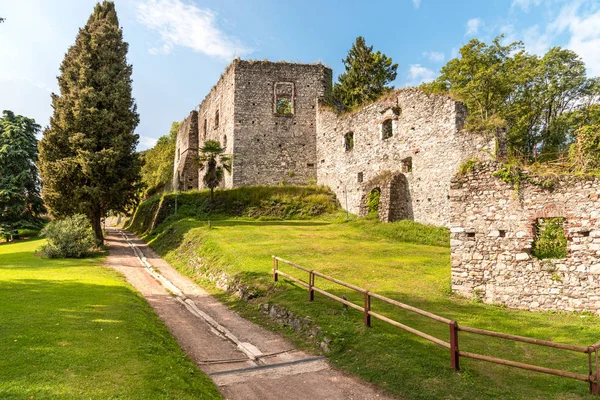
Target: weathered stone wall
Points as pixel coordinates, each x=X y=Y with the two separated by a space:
x=492 y=233
x=185 y=176
x=216 y=118
x=427 y=147
x=272 y=148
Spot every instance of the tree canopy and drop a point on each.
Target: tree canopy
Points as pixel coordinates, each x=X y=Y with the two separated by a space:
x=20 y=202
x=541 y=101
x=367 y=74
x=157 y=172
x=88 y=162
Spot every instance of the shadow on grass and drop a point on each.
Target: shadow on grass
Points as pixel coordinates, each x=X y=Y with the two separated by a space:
x=61 y=339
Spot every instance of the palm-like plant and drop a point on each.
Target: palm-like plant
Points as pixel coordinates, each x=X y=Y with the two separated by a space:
x=213 y=160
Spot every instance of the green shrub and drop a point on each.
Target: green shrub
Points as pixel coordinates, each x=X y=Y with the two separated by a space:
x=71 y=237
x=468 y=165
x=373 y=201
x=550 y=241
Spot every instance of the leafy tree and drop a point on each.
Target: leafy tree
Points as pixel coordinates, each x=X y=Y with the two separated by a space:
x=214 y=162
x=540 y=100
x=585 y=152
x=482 y=79
x=88 y=161
x=157 y=172
x=366 y=76
x=20 y=201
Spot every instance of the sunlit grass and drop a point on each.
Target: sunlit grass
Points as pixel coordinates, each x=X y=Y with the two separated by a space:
x=73 y=329
x=390 y=260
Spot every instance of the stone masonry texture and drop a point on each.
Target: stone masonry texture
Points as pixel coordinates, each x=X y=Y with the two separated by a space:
x=425 y=150
x=409 y=144
x=493 y=230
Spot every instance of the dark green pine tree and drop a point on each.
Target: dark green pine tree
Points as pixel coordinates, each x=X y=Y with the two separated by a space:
x=20 y=201
x=366 y=77
x=88 y=161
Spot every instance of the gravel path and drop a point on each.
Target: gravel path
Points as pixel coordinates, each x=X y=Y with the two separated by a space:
x=244 y=360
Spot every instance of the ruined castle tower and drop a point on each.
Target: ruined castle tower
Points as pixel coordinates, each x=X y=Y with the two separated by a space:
x=406 y=147
x=265 y=114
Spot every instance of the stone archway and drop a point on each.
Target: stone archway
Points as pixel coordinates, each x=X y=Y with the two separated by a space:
x=394 y=197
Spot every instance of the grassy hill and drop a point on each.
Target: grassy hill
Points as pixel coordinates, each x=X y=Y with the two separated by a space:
x=403 y=260
x=263 y=202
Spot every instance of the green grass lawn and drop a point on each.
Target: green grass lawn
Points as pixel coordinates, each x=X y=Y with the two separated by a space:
x=381 y=258
x=73 y=329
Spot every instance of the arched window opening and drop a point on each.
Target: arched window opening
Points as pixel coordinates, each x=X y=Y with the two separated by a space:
x=349 y=141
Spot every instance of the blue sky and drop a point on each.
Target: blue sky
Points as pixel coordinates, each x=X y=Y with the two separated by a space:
x=179 y=48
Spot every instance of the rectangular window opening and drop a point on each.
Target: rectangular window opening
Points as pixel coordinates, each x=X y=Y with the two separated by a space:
x=359 y=177
x=550 y=240
x=387 y=129
x=284 y=98
x=283 y=106
x=407 y=165
x=349 y=141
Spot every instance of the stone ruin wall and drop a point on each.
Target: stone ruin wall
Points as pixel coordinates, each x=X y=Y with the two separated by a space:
x=220 y=99
x=185 y=176
x=427 y=130
x=492 y=233
x=272 y=148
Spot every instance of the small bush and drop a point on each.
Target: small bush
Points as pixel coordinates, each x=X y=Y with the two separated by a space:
x=373 y=201
x=71 y=237
x=468 y=166
x=550 y=241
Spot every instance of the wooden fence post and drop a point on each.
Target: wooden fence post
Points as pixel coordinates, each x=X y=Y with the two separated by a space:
x=275 y=268
x=454 y=363
x=595 y=386
x=311 y=283
x=367 y=307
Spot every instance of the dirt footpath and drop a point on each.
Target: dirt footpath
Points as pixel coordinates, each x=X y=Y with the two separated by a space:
x=244 y=360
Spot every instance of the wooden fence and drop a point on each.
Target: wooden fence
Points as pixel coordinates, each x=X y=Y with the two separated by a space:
x=593 y=376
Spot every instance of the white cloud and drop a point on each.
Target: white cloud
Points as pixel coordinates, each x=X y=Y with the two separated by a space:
x=535 y=41
x=181 y=24
x=419 y=74
x=525 y=5
x=585 y=41
x=584 y=29
x=473 y=26
x=146 y=142
x=434 y=56
x=416 y=3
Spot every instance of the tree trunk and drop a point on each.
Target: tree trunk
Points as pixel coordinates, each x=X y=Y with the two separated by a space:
x=97 y=227
x=212 y=194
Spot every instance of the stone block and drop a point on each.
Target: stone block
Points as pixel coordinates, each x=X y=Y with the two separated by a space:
x=522 y=256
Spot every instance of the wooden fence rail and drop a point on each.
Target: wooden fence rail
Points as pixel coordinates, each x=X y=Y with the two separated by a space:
x=593 y=376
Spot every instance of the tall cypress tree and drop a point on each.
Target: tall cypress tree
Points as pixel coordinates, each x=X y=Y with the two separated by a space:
x=88 y=162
